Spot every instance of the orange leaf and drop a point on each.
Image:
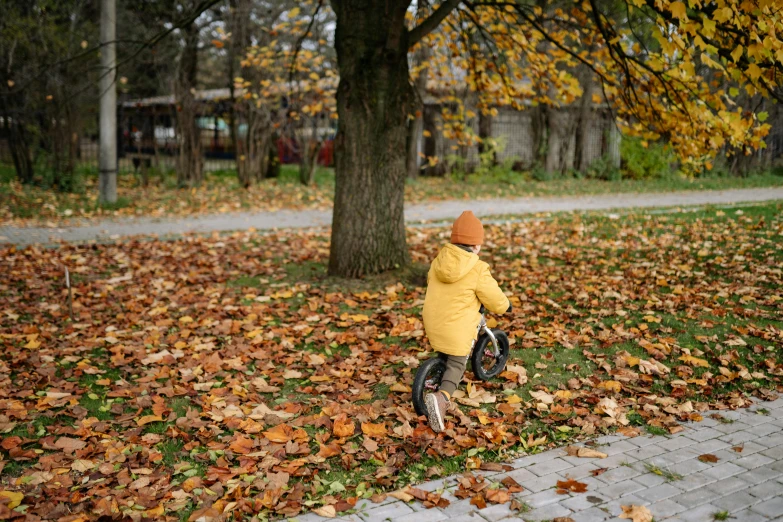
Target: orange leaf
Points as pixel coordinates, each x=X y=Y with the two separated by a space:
x=241 y=445
x=374 y=430
x=343 y=427
x=478 y=501
x=636 y=514
x=498 y=496
x=281 y=433
x=149 y=418
x=330 y=450
x=708 y=457
x=572 y=486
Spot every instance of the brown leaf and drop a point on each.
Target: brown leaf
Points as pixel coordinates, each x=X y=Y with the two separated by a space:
x=708 y=457
x=241 y=445
x=563 y=519
x=572 y=485
x=326 y=511
x=478 y=501
x=148 y=418
x=598 y=471
x=374 y=430
x=11 y=442
x=343 y=426
x=512 y=485
x=370 y=445
x=401 y=494
x=331 y=450
x=494 y=466
x=636 y=514
x=630 y=431
x=516 y=505
x=378 y=497
x=281 y=433
x=578 y=451
x=498 y=496
x=738 y=449
x=69 y=445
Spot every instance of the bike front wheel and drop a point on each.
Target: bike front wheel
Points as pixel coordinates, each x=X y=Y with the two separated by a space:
x=427 y=380
x=483 y=361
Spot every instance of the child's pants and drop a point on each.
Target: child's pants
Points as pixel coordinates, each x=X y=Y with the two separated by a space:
x=455 y=368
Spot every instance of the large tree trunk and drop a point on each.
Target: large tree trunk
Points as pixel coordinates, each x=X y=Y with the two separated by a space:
x=374 y=99
x=189 y=166
x=485 y=133
x=584 y=122
x=416 y=128
x=311 y=148
x=107 y=174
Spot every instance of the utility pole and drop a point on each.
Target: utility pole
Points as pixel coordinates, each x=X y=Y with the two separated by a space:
x=107 y=160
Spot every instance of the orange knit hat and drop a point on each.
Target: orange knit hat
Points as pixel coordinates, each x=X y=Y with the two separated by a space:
x=467 y=230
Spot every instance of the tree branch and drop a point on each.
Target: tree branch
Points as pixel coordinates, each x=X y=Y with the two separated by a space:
x=432 y=22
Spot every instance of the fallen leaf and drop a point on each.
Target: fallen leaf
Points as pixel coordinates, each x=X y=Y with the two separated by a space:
x=636 y=513
x=401 y=495
x=498 y=496
x=599 y=471
x=512 y=485
x=69 y=445
x=241 y=444
x=517 y=506
x=708 y=457
x=694 y=361
x=572 y=485
x=578 y=451
x=478 y=501
x=614 y=386
x=281 y=433
x=629 y=431
x=326 y=511
x=148 y=419
x=542 y=396
x=738 y=449
x=399 y=387
x=494 y=466
x=374 y=430
x=15 y=498
x=343 y=426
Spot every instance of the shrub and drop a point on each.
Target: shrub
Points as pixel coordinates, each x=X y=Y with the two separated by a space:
x=640 y=162
x=602 y=168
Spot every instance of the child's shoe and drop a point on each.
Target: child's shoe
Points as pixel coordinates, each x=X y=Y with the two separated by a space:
x=437 y=403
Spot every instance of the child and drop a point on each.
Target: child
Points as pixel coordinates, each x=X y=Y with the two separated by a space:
x=457 y=285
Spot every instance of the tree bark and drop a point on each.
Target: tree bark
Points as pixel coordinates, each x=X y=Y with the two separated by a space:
x=374 y=99
x=107 y=169
x=416 y=128
x=189 y=168
x=485 y=132
x=584 y=123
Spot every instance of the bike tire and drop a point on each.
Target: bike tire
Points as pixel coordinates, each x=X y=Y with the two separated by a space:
x=432 y=368
x=476 y=358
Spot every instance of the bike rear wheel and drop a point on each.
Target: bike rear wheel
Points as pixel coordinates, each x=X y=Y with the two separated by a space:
x=483 y=361
x=427 y=380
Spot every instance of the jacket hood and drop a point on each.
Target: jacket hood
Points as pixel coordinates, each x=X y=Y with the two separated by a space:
x=453 y=263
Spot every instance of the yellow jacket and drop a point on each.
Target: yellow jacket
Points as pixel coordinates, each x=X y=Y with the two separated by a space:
x=457 y=284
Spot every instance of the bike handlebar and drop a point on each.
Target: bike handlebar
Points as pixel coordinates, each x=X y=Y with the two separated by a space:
x=483 y=310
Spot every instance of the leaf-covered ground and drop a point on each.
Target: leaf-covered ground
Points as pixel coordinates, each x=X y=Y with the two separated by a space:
x=220 y=193
x=227 y=374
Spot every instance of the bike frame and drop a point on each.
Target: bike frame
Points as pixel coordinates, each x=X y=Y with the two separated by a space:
x=484 y=329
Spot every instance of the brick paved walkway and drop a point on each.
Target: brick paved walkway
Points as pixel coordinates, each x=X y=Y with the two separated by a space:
x=440 y=210
x=747 y=484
